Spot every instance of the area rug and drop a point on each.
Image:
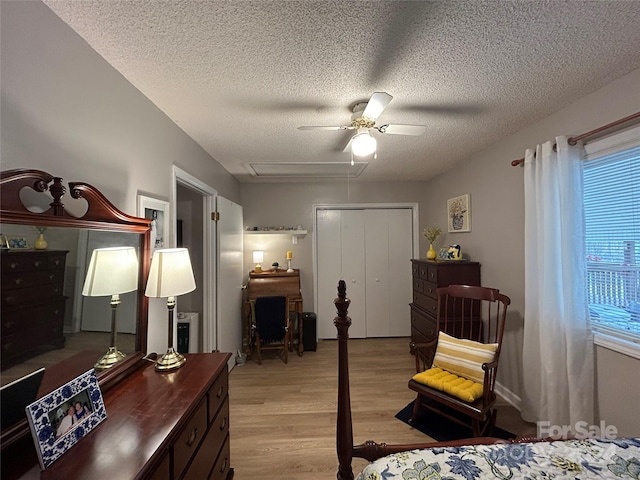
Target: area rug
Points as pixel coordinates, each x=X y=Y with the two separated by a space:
x=440 y=428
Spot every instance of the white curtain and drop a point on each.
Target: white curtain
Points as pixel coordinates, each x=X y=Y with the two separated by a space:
x=558 y=346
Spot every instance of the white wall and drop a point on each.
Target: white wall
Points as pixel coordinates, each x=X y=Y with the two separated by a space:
x=66 y=111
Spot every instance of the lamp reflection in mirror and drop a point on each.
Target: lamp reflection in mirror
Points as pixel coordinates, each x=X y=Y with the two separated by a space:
x=111 y=271
x=363 y=143
x=258 y=258
x=170 y=275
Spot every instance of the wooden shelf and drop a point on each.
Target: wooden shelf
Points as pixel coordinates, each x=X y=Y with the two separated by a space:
x=271 y=232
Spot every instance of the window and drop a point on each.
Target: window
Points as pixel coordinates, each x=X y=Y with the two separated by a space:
x=612 y=234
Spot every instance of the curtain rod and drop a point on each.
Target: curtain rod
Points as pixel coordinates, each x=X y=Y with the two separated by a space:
x=597 y=131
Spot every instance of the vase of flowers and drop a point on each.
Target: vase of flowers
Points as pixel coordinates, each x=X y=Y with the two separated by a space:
x=432 y=234
x=40 y=243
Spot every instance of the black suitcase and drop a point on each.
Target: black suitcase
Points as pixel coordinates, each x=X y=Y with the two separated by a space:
x=309 y=335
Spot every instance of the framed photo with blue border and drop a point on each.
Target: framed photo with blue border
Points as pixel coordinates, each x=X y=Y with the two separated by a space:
x=17 y=243
x=63 y=417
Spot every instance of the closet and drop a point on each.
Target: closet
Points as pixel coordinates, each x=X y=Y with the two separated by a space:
x=371 y=249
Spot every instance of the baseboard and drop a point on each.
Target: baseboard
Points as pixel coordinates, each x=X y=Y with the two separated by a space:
x=510 y=397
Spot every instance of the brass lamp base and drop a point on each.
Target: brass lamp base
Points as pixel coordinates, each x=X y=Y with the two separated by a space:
x=109 y=359
x=170 y=360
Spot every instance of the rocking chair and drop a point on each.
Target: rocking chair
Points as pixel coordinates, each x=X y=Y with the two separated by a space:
x=456 y=374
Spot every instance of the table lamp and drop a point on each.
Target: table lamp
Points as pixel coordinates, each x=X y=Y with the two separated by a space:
x=289 y=257
x=258 y=258
x=112 y=271
x=170 y=275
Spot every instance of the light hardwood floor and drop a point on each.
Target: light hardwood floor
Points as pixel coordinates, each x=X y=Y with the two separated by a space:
x=283 y=417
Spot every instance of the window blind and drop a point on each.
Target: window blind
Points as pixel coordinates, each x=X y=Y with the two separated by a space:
x=612 y=233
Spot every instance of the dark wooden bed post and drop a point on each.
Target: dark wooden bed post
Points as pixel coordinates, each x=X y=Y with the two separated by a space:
x=344 y=432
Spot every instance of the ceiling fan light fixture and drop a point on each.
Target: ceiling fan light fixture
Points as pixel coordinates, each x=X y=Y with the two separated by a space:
x=363 y=144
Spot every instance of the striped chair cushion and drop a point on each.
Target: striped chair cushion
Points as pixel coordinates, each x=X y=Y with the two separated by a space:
x=463 y=357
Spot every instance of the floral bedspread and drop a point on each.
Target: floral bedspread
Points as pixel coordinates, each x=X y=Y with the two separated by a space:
x=579 y=459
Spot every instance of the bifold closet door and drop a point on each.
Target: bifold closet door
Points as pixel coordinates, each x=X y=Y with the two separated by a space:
x=370 y=249
x=340 y=256
x=388 y=250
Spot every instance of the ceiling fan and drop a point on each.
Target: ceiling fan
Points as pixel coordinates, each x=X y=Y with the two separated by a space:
x=363 y=121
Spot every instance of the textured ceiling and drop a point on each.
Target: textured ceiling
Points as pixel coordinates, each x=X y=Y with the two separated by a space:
x=239 y=77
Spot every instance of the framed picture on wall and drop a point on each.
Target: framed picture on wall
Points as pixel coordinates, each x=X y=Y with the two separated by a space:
x=459 y=214
x=158 y=211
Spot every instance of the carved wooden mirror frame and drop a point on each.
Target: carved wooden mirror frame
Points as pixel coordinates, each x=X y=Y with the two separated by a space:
x=101 y=214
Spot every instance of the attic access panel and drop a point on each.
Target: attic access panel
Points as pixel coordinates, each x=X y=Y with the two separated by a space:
x=307 y=169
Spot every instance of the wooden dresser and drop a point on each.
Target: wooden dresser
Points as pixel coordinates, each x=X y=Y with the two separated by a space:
x=159 y=426
x=427 y=277
x=32 y=303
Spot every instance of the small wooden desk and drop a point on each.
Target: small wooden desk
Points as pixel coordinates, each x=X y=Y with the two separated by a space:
x=271 y=283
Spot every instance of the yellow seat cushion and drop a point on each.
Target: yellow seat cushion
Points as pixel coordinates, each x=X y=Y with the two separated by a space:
x=447 y=382
x=463 y=357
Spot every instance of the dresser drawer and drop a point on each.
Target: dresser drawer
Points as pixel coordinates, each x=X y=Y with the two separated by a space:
x=415 y=270
x=223 y=463
x=11 y=280
x=423 y=271
x=418 y=285
x=29 y=296
x=163 y=471
x=430 y=289
x=31 y=261
x=188 y=439
x=20 y=319
x=422 y=323
x=428 y=304
x=217 y=434
x=217 y=394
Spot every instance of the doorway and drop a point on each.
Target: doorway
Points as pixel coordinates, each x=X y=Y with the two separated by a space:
x=192 y=202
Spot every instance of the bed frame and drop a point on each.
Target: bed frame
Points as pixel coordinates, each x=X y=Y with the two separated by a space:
x=369 y=450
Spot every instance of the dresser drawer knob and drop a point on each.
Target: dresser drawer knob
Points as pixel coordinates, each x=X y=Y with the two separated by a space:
x=220 y=391
x=224 y=465
x=223 y=425
x=192 y=437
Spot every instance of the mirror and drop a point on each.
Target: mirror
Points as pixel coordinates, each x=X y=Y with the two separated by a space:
x=46 y=321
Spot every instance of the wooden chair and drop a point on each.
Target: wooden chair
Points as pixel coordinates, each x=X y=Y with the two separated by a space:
x=271 y=325
x=475 y=318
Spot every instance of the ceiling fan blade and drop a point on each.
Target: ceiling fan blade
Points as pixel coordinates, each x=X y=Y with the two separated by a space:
x=403 y=129
x=315 y=127
x=376 y=105
x=348 y=147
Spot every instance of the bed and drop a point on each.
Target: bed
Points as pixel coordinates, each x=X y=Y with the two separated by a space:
x=474 y=458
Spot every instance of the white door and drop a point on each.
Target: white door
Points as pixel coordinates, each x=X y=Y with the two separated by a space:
x=371 y=250
x=340 y=235
x=229 y=277
x=388 y=249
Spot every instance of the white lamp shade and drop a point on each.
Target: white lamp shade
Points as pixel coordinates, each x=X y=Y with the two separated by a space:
x=363 y=144
x=111 y=271
x=170 y=273
x=258 y=256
